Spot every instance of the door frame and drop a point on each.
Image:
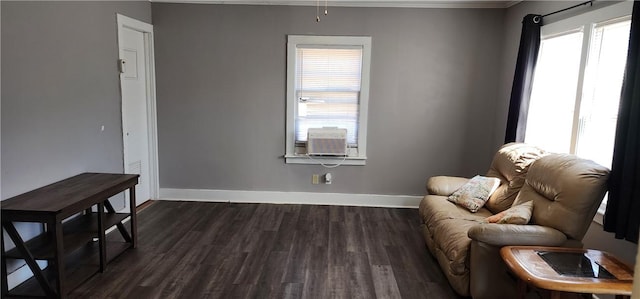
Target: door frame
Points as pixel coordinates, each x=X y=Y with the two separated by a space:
x=152 y=128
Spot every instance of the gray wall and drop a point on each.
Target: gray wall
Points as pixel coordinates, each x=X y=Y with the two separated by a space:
x=596 y=237
x=221 y=95
x=59 y=86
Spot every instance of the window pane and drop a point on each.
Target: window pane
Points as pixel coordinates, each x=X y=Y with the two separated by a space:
x=551 y=110
x=328 y=88
x=328 y=110
x=601 y=92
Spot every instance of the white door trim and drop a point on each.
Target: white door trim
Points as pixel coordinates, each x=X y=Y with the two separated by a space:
x=147 y=30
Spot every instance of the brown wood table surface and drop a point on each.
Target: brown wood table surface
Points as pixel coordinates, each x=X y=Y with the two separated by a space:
x=530 y=268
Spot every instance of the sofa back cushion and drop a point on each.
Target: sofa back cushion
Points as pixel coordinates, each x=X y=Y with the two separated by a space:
x=566 y=191
x=510 y=165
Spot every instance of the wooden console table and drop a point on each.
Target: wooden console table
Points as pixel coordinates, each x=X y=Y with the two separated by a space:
x=75 y=249
x=607 y=276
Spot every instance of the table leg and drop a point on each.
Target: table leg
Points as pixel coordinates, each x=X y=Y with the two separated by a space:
x=102 y=238
x=57 y=237
x=28 y=258
x=134 y=218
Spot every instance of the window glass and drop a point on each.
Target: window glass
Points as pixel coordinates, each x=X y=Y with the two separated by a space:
x=560 y=86
x=601 y=93
x=328 y=82
x=551 y=109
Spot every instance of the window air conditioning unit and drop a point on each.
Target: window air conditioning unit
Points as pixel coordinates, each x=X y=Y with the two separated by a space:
x=327 y=142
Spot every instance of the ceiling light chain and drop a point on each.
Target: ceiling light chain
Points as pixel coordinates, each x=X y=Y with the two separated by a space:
x=326 y=11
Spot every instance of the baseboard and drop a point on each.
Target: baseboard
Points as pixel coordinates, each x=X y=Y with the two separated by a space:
x=278 y=197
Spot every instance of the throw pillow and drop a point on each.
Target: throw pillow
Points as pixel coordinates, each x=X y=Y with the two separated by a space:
x=518 y=214
x=474 y=194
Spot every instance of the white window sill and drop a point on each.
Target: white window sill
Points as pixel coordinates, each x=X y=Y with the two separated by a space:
x=330 y=161
x=599 y=217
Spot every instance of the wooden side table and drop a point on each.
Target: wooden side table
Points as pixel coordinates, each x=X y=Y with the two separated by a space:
x=584 y=270
x=73 y=211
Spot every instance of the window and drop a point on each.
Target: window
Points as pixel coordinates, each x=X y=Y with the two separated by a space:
x=578 y=82
x=327 y=86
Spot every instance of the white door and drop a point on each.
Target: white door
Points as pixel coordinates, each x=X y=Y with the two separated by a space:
x=135 y=111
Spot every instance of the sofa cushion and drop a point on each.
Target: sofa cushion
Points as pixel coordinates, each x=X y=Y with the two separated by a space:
x=566 y=191
x=474 y=193
x=444 y=185
x=510 y=165
x=448 y=224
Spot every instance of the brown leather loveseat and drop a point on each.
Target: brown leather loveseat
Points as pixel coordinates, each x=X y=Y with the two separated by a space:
x=566 y=192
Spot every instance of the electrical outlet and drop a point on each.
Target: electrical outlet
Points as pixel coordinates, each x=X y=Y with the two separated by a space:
x=328 y=178
x=315 y=179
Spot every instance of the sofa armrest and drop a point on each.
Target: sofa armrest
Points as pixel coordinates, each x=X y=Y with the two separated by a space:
x=444 y=185
x=514 y=234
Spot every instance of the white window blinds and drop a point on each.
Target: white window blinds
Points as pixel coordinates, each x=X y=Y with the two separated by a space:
x=602 y=87
x=327 y=86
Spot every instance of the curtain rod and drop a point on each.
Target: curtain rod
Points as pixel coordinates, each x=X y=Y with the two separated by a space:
x=572 y=7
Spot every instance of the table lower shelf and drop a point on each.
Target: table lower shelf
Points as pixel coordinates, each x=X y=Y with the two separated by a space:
x=77 y=232
x=83 y=264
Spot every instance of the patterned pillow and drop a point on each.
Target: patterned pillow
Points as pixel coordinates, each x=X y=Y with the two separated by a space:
x=519 y=214
x=474 y=194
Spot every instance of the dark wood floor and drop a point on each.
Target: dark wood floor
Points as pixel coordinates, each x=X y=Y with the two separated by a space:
x=218 y=250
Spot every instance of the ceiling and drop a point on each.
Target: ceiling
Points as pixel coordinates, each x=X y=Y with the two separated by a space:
x=360 y=3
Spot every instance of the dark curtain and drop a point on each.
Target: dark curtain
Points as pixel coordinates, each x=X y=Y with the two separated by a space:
x=523 y=78
x=623 y=208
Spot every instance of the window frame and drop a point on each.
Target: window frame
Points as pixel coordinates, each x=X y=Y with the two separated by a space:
x=357 y=155
x=586 y=24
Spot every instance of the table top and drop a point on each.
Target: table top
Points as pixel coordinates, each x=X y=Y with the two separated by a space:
x=528 y=265
x=63 y=195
